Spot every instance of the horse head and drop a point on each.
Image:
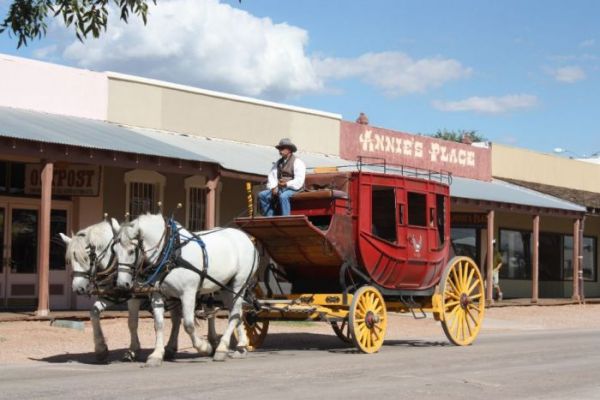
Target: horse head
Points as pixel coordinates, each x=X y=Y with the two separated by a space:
x=138 y=242
x=88 y=252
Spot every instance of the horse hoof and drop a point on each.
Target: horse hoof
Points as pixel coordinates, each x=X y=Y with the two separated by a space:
x=129 y=356
x=239 y=354
x=153 y=362
x=102 y=355
x=220 y=356
x=170 y=353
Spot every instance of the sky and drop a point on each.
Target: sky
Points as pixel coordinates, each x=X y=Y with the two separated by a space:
x=520 y=73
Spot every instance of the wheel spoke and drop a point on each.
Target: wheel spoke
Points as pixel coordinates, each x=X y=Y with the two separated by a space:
x=451 y=282
x=451 y=294
x=475 y=296
x=469 y=279
x=451 y=303
x=472 y=287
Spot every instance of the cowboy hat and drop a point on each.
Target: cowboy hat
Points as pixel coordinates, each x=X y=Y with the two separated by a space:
x=285 y=142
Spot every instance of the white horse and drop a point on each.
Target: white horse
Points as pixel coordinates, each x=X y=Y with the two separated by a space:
x=91 y=259
x=231 y=262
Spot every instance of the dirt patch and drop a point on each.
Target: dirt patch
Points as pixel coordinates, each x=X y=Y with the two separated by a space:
x=39 y=341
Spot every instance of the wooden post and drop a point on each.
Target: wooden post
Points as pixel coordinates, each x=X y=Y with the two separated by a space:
x=489 y=270
x=211 y=201
x=43 y=308
x=576 y=265
x=536 y=260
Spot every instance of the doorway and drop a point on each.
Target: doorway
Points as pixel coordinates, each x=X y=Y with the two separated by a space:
x=19 y=245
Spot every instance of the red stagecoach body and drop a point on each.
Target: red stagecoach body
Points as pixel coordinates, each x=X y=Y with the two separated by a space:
x=390 y=230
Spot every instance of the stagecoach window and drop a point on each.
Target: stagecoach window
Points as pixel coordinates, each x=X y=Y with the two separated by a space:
x=441 y=216
x=417 y=209
x=383 y=213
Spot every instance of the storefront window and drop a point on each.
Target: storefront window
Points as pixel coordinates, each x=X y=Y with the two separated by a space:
x=144 y=191
x=197 y=209
x=464 y=241
x=12 y=178
x=549 y=264
x=589 y=257
x=515 y=247
x=58 y=224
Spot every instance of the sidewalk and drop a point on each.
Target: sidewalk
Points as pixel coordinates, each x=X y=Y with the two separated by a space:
x=84 y=315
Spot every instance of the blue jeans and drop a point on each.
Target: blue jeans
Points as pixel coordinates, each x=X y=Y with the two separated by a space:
x=265 y=199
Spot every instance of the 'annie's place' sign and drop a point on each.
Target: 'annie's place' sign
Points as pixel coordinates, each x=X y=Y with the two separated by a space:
x=414 y=151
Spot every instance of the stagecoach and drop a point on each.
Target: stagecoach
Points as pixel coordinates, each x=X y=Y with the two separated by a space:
x=360 y=244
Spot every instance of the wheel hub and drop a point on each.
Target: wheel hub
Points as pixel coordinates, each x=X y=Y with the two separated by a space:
x=464 y=300
x=371 y=319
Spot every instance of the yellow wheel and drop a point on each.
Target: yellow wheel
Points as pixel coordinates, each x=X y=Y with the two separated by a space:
x=256 y=330
x=342 y=330
x=463 y=301
x=368 y=319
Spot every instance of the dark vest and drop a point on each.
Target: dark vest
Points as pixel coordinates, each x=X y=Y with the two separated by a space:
x=285 y=171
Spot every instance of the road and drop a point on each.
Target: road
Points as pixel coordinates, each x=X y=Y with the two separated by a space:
x=560 y=364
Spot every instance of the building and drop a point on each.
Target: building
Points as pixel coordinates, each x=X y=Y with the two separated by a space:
x=77 y=144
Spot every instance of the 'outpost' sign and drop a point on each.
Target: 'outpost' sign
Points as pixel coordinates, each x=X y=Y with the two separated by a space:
x=70 y=180
x=424 y=152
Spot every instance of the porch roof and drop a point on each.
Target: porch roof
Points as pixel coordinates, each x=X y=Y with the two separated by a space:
x=258 y=159
x=87 y=133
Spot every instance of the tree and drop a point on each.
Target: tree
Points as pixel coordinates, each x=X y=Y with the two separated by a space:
x=459 y=136
x=28 y=19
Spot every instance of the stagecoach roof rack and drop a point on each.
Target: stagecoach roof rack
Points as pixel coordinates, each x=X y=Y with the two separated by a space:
x=379 y=165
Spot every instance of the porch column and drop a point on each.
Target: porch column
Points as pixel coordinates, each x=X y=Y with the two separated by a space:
x=489 y=269
x=44 y=234
x=536 y=260
x=576 y=265
x=211 y=201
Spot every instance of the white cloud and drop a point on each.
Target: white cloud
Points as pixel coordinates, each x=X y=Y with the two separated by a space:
x=394 y=73
x=569 y=74
x=212 y=45
x=489 y=105
x=45 y=52
x=588 y=43
x=207 y=44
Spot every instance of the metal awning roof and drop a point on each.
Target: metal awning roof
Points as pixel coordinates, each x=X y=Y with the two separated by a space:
x=503 y=192
x=237 y=156
x=87 y=133
x=257 y=159
x=234 y=156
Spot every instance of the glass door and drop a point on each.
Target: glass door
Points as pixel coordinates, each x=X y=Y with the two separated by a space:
x=21 y=266
x=19 y=241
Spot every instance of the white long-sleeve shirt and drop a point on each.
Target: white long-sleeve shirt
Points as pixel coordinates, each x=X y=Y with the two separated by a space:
x=299 y=174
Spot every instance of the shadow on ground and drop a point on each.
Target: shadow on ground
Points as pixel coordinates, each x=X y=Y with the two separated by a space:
x=273 y=344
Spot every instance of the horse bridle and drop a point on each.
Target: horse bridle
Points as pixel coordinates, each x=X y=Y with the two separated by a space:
x=134 y=267
x=92 y=273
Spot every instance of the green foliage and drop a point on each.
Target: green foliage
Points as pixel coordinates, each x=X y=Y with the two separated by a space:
x=28 y=19
x=457 y=136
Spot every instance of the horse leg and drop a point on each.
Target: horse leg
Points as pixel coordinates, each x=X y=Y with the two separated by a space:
x=213 y=338
x=100 y=347
x=172 y=344
x=234 y=321
x=133 y=306
x=158 y=310
x=188 y=306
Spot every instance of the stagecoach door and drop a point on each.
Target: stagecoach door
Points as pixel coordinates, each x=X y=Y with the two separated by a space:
x=19 y=234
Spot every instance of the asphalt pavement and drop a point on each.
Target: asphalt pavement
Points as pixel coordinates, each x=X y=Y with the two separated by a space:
x=561 y=364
